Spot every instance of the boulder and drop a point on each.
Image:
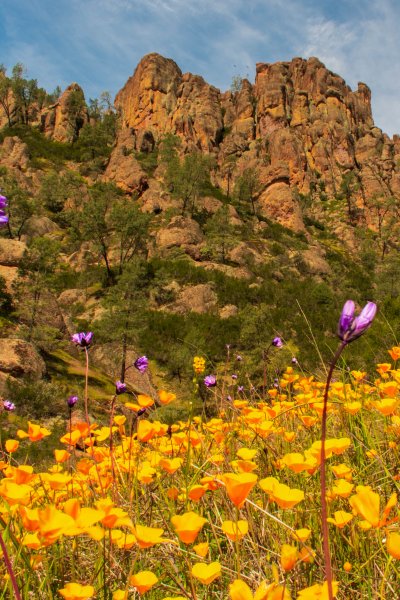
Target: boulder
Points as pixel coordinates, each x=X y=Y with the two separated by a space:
x=11 y=252
x=14 y=154
x=181 y=232
x=195 y=298
x=20 y=358
x=123 y=169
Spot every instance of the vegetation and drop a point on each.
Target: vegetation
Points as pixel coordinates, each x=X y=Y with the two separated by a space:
x=228 y=436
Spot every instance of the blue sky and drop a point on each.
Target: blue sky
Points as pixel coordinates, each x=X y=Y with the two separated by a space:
x=98 y=43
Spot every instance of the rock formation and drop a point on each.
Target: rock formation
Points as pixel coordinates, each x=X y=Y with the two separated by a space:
x=299 y=125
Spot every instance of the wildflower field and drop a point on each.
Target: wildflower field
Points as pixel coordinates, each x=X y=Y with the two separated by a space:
x=289 y=492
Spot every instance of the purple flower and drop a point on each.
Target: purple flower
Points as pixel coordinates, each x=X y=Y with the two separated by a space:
x=350 y=327
x=120 y=387
x=142 y=364
x=295 y=361
x=141 y=412
x=3 y=201
x=82 y=339
x=238 y=357
x=240 y=388
x=9 y=406
x=229 y=398
x=3 y=218
x=277 y=342
x=72 y=400
x=210 y=381
x=234 y=376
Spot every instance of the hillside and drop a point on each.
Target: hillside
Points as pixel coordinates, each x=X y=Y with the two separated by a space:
x=184 y=219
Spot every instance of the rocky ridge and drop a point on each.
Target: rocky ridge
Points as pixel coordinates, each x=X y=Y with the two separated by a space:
x=300 y=125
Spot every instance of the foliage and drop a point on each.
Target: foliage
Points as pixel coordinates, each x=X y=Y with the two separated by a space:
x=20 y=204
x=188 y=177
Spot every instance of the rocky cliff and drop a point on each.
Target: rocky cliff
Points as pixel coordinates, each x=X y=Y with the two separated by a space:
x=299 y=125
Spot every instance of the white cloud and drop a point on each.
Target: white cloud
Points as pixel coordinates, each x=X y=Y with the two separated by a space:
x=99 y=42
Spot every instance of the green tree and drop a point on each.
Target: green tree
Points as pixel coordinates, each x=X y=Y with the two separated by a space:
x=187 y=177
x=25 y=91
x=20 y=205
x=248 y=187
x=220 y=232
x=36 y=269
x=125 y=304
x=76 y=110
x=57 y=188
x=6 y=97
x=111 y=222
x=385 y=213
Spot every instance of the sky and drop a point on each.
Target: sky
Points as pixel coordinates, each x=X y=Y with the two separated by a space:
x=98 y=43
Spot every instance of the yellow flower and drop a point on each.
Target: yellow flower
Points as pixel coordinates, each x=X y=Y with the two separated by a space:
x=289 y=556
x=35 y=432
x=11 y=446
x=206 y=573
x=239 y=590
x=239 y=486
x=199 y=365
x=282 y=494
x=76 y=591
x=147 y=537
x=235 y=530
x=301 y=535
x=367 y=504
x=342 y=518
x=166 y=397
x=318 y=592
x=188 y=526
x=201 y=549
x=393 y=545
x=143 y=581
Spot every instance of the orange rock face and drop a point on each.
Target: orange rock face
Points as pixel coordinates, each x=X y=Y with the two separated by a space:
x=65 y=119
x=299 y=126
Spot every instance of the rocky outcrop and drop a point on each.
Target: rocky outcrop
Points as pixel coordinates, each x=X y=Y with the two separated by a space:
x=123 y=169
x=194 y=298
x=300 y=126
x=63 y=121
x=19 y=358
x=14 y=154
x=11 y=252
x=181 y=232
x=159 y=99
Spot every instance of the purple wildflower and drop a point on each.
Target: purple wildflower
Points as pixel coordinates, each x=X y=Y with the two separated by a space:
x=141 y=364
x=72 y=400
x=3 y=218
x=3 y=201
x=234 y=376
x=210 y=381
x=238 y=357
x=8 y=405
x=141 y=412
x=295 y=361
x=229 y=398
x=82 y=339
x=120 y=388
x=277 y=342
x=350 y=327
x=240 y=388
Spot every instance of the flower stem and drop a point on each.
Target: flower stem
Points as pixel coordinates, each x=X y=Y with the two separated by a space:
x=10 y=569
x=324 y=508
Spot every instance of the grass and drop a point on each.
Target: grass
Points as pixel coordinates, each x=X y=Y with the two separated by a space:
x=202 y=508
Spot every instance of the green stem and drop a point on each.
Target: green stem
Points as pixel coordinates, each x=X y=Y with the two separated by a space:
x=324 y=508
